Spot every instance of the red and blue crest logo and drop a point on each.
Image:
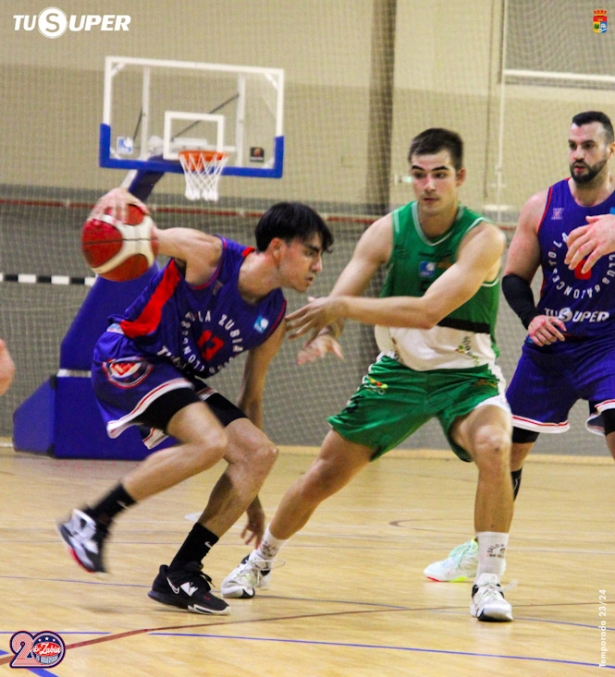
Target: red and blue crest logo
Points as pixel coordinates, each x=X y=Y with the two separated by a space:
x=601 y=22
x=127 y=372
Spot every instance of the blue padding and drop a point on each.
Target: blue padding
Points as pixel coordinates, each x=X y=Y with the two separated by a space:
x=79 y=428
x=33 y=421
x=159 y=165
x=61 y=418
x=104 y=298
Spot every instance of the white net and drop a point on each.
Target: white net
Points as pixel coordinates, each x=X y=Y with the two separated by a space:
x=202 y=170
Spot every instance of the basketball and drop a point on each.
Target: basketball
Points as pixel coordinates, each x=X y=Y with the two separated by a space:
x=120 y=251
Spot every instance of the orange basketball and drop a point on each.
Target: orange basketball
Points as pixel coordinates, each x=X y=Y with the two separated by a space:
x=120 y=251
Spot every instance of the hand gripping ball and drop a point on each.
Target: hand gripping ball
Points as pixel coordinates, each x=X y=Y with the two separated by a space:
x=120 y=251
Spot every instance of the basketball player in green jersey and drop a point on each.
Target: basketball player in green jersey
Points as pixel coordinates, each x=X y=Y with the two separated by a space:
x=435 y=326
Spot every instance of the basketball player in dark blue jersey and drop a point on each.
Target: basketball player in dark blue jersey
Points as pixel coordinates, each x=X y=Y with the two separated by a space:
x=569 y=353
x=215 y=299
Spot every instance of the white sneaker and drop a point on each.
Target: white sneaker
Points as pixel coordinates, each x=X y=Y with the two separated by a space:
x=461 y=564
x=488 y=603
x=253 y=572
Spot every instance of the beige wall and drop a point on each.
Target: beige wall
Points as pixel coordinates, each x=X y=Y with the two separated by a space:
x=446 y=64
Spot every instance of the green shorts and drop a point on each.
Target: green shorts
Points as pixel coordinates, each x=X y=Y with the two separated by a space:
x=394 y=401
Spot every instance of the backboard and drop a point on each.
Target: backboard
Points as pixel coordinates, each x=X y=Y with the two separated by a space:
x=154 y=108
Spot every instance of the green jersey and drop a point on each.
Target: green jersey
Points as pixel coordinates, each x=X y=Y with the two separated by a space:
x=465 y=338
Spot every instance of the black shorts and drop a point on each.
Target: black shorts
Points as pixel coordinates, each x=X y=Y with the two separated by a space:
x=163 y=408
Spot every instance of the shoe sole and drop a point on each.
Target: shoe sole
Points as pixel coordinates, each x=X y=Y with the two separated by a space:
x=461 y=579
x=171 y=600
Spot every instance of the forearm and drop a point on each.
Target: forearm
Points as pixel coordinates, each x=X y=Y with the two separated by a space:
x=394 y=311
x=253 y=410
x=520 y=298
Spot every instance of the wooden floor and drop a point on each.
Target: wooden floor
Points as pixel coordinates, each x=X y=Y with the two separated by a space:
x=351 y=598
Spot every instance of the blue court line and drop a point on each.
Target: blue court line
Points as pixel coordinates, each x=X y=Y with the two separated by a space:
x=383 y=647
x=35 y=671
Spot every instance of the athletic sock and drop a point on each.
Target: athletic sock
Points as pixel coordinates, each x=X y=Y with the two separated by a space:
x=491 y=552
x=113 y=503
x=516 y=481
x=270 y=545
x=197 y=544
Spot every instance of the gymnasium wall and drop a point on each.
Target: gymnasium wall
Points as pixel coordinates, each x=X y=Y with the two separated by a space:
x=362 y=78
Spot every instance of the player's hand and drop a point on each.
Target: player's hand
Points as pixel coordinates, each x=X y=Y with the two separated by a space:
x=315 y=316
x=318 y=348
x=116 y=202
x=255 y=527
x=587 y=244
x=7 y=368
x=544 y=330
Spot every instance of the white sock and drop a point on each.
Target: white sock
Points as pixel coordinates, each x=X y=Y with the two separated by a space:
x=491 y=552
x=270 y=545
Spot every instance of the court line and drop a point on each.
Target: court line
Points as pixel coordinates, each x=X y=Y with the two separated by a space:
x=166 y=630
x=387 y=647
x=142 y=631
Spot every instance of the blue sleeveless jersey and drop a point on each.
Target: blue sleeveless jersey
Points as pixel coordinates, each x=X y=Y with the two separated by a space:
x=200 y=328
x=584 y=302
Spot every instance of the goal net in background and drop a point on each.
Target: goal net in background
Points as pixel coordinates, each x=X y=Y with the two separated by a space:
x=362 y=78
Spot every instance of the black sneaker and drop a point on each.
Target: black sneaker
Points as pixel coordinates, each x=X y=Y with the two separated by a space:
x=85 y=539
x=188 y=588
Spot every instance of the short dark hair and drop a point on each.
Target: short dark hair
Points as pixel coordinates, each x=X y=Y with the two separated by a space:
x=435 y=139
x=590 y=116
x=291 y=221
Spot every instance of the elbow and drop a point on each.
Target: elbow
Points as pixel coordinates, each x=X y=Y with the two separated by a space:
x=429 y=319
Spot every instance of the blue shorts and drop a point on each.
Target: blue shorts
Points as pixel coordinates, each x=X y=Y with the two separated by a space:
x=127 y=382
x=549 y=380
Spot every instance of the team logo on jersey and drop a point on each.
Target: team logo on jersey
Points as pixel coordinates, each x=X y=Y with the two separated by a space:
x=601 y=23
x=427 y=269
x=372 y=384
x=127 y=372
x=558 y=214
x=261 y=324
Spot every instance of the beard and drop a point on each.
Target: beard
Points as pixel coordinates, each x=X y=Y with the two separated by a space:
x=590 y=175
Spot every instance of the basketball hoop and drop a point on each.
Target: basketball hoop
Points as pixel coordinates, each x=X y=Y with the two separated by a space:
x=202 y=169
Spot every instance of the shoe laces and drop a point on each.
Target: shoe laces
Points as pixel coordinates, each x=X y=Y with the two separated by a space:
x=198 y=577
x=251 y=571
x=461 y=551
x=495 y=590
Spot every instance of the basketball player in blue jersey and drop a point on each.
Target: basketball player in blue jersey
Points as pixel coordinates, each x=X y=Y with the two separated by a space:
x=7 y=368
x=214 y=300
x=435 y=327
x=569 y=352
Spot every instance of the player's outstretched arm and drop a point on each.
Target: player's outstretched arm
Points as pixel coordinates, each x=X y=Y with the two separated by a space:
x=587 y=244
x=250 y=401
x=7 y=368
x=478 y=261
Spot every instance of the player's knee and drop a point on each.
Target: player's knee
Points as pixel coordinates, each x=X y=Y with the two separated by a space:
x=209 y=449
x=263 y=457
x=492 y=448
